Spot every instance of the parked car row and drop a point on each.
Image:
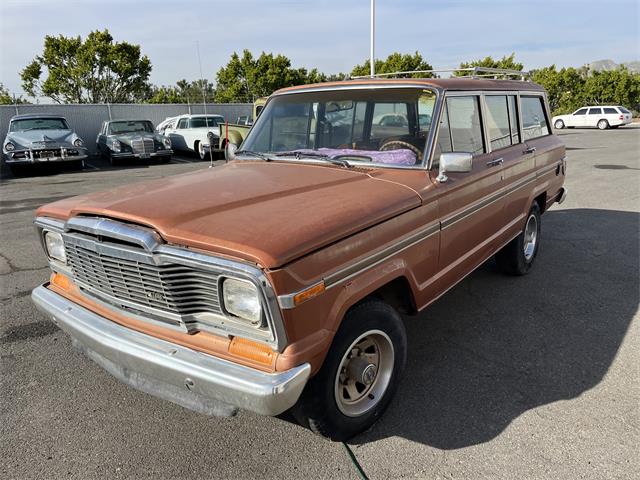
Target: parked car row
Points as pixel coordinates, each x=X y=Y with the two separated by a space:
x=47 y=138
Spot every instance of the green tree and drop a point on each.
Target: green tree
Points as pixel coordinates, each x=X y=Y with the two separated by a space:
x=95 y=70
x=7 y=99
x=565 y=87
x=246 y=78
x=183 y=92
x=613 y=87
x=396 y=62
x=506 y=62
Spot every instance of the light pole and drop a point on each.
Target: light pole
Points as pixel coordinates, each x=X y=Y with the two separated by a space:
x=372 y=62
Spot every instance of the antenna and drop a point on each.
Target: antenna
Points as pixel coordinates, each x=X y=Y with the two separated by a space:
x=372 y=59
x=202 y=84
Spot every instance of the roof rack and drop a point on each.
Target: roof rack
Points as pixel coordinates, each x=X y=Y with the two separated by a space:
x=473 y=72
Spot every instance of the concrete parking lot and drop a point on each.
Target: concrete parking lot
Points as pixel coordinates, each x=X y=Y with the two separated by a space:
x=532 y=377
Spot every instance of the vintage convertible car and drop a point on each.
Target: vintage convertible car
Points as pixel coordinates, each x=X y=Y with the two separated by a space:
x=126 y=139
x=42 y=138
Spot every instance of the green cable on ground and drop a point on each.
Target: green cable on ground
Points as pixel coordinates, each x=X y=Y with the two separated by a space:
x=355 y=462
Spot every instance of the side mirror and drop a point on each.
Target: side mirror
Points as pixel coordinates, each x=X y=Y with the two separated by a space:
x=453 y=162
x=230 y=151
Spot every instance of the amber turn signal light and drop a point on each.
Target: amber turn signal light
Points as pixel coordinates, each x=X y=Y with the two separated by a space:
x=61 y=281
x=309 y=293
x=251 y=350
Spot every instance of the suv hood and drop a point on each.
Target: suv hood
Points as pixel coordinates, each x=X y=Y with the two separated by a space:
x=267 y=213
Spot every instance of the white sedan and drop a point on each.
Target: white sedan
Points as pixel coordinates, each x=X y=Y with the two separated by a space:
x=190 y=132
x=603 y=117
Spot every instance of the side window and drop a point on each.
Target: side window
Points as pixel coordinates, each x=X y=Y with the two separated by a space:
x=534 y=121
x=465 y=130
x=183 y=123
x=610 y=111
x=595 y=111
x=497 y=121
x=582 y=111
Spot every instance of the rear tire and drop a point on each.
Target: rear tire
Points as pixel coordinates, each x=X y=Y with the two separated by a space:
x=517 y=257
x=359 y=376
x=603 y=124
x=559 y=125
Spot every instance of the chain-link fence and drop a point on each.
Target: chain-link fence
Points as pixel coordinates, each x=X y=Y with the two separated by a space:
x=86 y=119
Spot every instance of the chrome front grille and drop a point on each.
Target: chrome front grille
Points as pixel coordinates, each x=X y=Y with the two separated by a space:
x=142 y=145
x=174 y=288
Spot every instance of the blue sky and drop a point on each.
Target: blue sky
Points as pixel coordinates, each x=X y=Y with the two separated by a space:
x=331 y=35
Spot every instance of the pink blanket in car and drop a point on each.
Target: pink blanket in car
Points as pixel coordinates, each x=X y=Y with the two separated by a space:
x=391 y=157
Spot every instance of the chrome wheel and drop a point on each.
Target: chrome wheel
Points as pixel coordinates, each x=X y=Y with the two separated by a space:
x=530 y=237
x=603 y=124
x=364 y=373
x=559 y=124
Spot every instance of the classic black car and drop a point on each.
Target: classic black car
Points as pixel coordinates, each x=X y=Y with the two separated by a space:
x=128 y=139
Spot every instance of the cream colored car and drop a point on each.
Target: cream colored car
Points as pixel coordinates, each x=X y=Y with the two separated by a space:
x=602 y=117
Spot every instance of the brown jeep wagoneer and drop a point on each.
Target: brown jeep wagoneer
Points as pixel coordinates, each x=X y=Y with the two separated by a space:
x=276 y=281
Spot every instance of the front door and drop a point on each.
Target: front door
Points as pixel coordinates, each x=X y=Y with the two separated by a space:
x=471 y=205
x=579 y=118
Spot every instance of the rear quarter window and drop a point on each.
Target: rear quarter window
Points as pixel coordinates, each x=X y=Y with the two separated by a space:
x=610 y=111
x=534 y=120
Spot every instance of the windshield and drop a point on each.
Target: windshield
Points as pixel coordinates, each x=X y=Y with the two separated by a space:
x=203 y=122
x=130 y=126
x=38 y=124
x=382 y=126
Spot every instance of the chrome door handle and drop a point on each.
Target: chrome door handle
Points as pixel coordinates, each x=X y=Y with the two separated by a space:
x=497 y=161
x=530 y=150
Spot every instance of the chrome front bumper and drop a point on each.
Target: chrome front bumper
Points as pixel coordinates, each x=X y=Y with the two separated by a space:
x=157 y=153
x=180 y=375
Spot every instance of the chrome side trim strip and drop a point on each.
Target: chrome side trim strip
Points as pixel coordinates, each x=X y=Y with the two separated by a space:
x=286 y=301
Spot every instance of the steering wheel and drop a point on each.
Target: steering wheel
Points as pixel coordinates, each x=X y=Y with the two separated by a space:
x=400 y=144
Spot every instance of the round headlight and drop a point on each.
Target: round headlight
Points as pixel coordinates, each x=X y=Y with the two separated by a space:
x=55 y=246
x=241 y=299
x=78 y=142
x=115 y=145
x=9 y=146
x=166 y=142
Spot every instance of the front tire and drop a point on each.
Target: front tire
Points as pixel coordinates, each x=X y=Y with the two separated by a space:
x=559 y=125
x=517 y=257
x=603 y=124
x=359 y=376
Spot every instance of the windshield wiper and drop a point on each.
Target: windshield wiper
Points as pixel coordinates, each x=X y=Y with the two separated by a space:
x=251 y=153
x=321 y=156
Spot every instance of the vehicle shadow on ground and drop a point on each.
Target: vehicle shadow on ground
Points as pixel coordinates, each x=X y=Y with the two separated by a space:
x=495 y=347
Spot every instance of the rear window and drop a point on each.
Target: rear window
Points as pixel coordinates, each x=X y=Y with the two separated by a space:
x=595 y=111
x=610 y=111
x=501 y=122
x=534 y=121
x=623 y=110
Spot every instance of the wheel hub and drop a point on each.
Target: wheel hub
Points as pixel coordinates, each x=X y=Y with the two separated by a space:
x=364 y=373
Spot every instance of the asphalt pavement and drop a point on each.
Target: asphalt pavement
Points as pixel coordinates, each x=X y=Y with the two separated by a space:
x=531 y=377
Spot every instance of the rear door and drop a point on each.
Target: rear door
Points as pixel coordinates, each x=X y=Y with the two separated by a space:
x=518 y=160
x=594 y=115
